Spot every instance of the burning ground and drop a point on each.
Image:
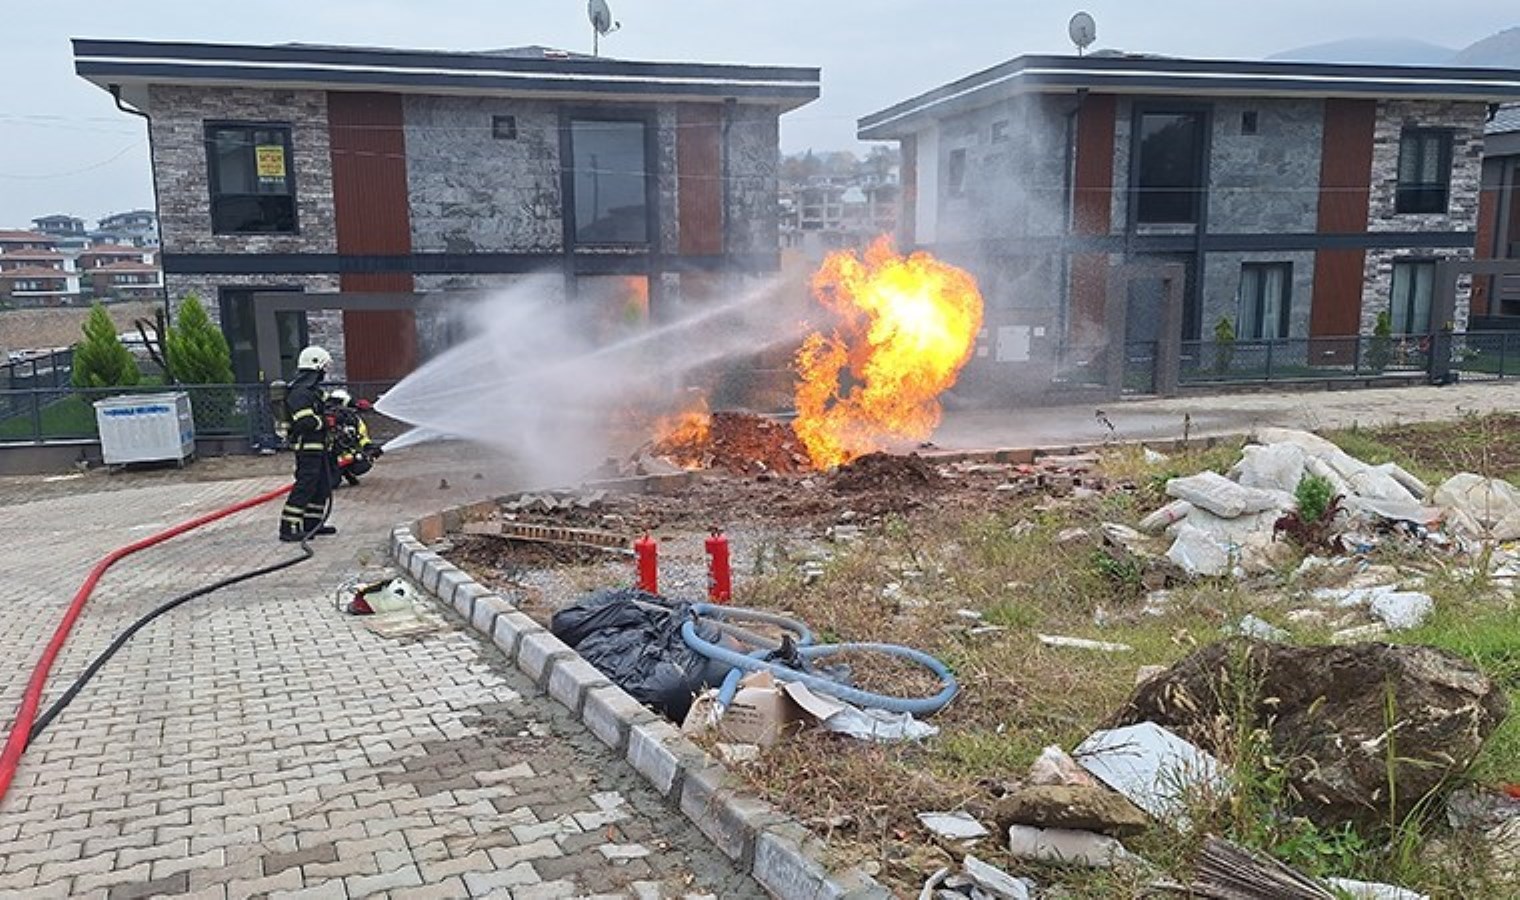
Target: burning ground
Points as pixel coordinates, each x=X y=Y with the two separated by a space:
x=971 y=561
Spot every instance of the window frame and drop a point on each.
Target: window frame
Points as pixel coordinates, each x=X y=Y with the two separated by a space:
x=650 y=122
x=1203 y=114
x=287 y=129
x=1415 y=263
x=955 y=172
x=1411 y=199
x=1283 y=325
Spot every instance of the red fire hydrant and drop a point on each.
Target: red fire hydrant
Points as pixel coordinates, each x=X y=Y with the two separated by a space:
x=647 y=552
x=720 y=586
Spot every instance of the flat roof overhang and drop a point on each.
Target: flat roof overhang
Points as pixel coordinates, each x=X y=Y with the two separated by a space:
x=134 y=65
x=1154 y=76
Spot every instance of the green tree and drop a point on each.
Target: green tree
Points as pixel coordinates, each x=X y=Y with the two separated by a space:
x=195 y=349
x=101 y=360
x=1224 y=345
x=1380 y=349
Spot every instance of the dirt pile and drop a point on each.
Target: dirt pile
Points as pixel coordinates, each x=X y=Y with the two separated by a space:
x=885 y=472
x=739 y=443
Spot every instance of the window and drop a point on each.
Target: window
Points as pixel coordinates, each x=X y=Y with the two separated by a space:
x=1248 y=122
x=1424 y=170
x=1413 y=288
x=610 y=182
x=1266 y=292
x=957 y=177
x=252 y=188
x=999 y=131
x=504 y=128
x=1170 y=168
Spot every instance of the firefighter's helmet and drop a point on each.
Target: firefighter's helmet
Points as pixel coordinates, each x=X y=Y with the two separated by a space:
x=314 y=358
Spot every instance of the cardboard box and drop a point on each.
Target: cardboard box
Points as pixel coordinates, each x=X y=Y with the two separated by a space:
x=763 y=711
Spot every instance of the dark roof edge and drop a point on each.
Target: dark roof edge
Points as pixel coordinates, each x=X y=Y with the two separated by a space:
x=431 y=59
x=1107 y=70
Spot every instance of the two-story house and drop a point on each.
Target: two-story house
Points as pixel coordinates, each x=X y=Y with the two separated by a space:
x=363 y=170
x=117 y=272
x=137 y=227
x=1300 y=200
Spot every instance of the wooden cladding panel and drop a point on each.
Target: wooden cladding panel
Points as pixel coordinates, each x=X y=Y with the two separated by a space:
x=699 y=177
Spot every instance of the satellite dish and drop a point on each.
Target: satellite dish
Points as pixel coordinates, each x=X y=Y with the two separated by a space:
x=601 y=23
x=1083 y=31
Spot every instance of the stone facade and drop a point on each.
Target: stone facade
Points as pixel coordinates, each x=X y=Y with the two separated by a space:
x=1014 y=180
x=472 y=192
x=754 y=161
x=1466 y=123
x=1221 y=289
x=180 y=115
x=324 y=329
x=1267 y=182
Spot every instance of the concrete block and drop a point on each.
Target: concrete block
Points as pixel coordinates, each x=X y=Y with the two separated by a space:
x=487 y=608
x=511 y=627
x=417 y=562
x=609 y=712
x=659 y=752
x=429 y=529
x=570 y=679
x=466 y=596
x=450 y=582
x=789 y=863
x=535 y=653
x=731 y=820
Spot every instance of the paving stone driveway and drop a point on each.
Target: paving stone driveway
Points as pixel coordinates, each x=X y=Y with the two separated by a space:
x=257 y=742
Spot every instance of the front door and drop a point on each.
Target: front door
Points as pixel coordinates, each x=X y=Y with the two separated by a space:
x=238 y=325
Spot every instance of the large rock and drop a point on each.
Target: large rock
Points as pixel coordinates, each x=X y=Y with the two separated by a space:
x=1074 y=806
x=1340 y=718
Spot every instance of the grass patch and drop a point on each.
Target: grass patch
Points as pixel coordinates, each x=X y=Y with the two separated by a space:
x=70 y=417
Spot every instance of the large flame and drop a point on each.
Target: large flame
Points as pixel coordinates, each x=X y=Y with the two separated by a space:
x=683 y=436
x=906 y=325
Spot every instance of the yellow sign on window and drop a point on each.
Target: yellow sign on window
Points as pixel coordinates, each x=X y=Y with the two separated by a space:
x=271 y=160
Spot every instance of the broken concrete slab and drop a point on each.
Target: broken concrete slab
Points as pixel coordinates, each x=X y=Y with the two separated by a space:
x=1327 y=711
x=1221 y=496
x=1154 y=768
x=995 y=881
x=953 y=826
x=1074 y=807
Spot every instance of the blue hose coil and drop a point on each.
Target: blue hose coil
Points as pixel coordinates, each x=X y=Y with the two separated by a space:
x=741 y=662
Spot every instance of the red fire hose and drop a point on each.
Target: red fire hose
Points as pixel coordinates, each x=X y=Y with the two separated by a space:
x=21 y=728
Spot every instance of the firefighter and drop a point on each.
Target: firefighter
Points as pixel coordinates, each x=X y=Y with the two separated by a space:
x=310 y=433
x=353 y=451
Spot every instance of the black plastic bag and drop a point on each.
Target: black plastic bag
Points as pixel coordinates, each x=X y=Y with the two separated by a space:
x=641 y=650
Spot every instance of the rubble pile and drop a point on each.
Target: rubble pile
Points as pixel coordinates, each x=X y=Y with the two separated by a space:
x=739 y=443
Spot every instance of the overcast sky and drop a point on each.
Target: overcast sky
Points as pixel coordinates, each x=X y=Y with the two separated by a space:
x=65 y=148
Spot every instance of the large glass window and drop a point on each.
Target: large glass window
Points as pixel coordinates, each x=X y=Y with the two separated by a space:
x=611 y=176
x=1424 y=170
x=1265 y=296
x=1168 y=178
x=252 y=188
x=1413 y=290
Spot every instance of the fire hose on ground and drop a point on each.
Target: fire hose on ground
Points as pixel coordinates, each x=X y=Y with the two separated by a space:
x=756 y=661
x=24 y=729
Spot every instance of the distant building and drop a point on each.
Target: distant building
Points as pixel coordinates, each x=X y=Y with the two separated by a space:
x=346 y=170
x=26 y=240
x=115 y=272
x=1497 y=298
x=137 y=227
x=68 y=231
x=1300 y=201
x=828 y=212
x=33 y=272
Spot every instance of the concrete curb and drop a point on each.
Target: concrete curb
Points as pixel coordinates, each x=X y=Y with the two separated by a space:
x=776 y=850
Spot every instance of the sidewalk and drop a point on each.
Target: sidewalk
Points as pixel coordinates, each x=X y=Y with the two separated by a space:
x=259 y=742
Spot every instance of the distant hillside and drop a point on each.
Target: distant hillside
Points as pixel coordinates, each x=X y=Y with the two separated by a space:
x=1500 y=50
x=1385 y=51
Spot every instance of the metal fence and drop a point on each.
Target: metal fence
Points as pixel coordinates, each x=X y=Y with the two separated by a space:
x=1296 y=359
x=237 y=412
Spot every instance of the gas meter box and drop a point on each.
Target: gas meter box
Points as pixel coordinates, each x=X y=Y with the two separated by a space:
x=145 y=428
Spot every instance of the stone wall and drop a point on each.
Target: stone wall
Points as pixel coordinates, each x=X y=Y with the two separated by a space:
x=751 y=191
x=1267 y=182
x=473 y=192
x=1466 y=122
x=1221 y=289
x=1015 y=176
x=178 y=126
